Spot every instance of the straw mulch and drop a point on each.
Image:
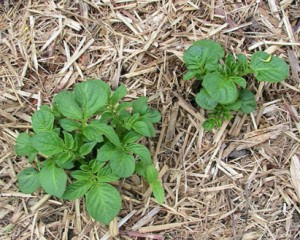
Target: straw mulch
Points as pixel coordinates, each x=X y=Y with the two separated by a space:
x=238 y=182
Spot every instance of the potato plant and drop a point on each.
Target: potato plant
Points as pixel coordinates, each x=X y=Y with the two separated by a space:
x=223 y=79
x=84 y=141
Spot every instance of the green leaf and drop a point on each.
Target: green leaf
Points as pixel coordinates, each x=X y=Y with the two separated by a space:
x=151 y=173
x=105 y=175
x=235 y=106
x=151 y=128
x=108 y=178
x=242 y=63
x=189 y=74
x=120 y=92
x=65 y=160
x=67 y=106
x=248 y=103
x=96 y=165
x=219 y=88
x=214 y=49
x=103 y=202
x=209 y=124
x=122 y=163
x=105 y=152
x=107 y=131
x=68 y=139
x=91 y=97
x=140 y=169
x=124 y=106
x=92 y=134
x=230 y=64
x=154 y=116
x=195 y=57
x=42 y=121
x=142 y=151
x=268 y=68
x=28 y=180
x=86 y=148
x=140 y=105
x=158 y=191
x=69 y=125
x=81 y=175
x=131 y=137
x=77 y=141
x=77 y=189
x=239 y=81
x=23 y=145
x=47 y=143
x=141 y=127
x=53 y=180
x=204 y=100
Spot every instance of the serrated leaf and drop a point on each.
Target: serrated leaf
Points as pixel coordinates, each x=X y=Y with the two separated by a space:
x=105 y=152
x=239 y=81
x=77 y=189
x=158 y=191
x=28 y=180
x=248 y=103
x=140 y=105
x=142 y=151
x=91 y=97
x=67 y=106
x=151 y=173
x=53 y=180
x=219 y=88
x=141 y=127
x=103 y=202
x=69 y=125
x=42 y=121
x=122 y=163
x=269 y=68
x=107 y=131
x=204 y=100
x=23 y=146
x=120 y=92
x=47 y=143
x=86 y=148
x=68 y=139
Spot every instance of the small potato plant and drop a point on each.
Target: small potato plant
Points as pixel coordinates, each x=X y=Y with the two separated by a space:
x=224 y=87
x=86 y=140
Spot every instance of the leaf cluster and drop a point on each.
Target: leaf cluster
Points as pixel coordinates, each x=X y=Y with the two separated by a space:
x=86 y=140
x=223 y=78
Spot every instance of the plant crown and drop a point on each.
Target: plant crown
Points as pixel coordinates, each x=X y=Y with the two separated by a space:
x=86 y=140
x=223 y=78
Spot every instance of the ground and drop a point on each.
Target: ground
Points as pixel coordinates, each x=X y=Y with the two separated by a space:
x=237 y=182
